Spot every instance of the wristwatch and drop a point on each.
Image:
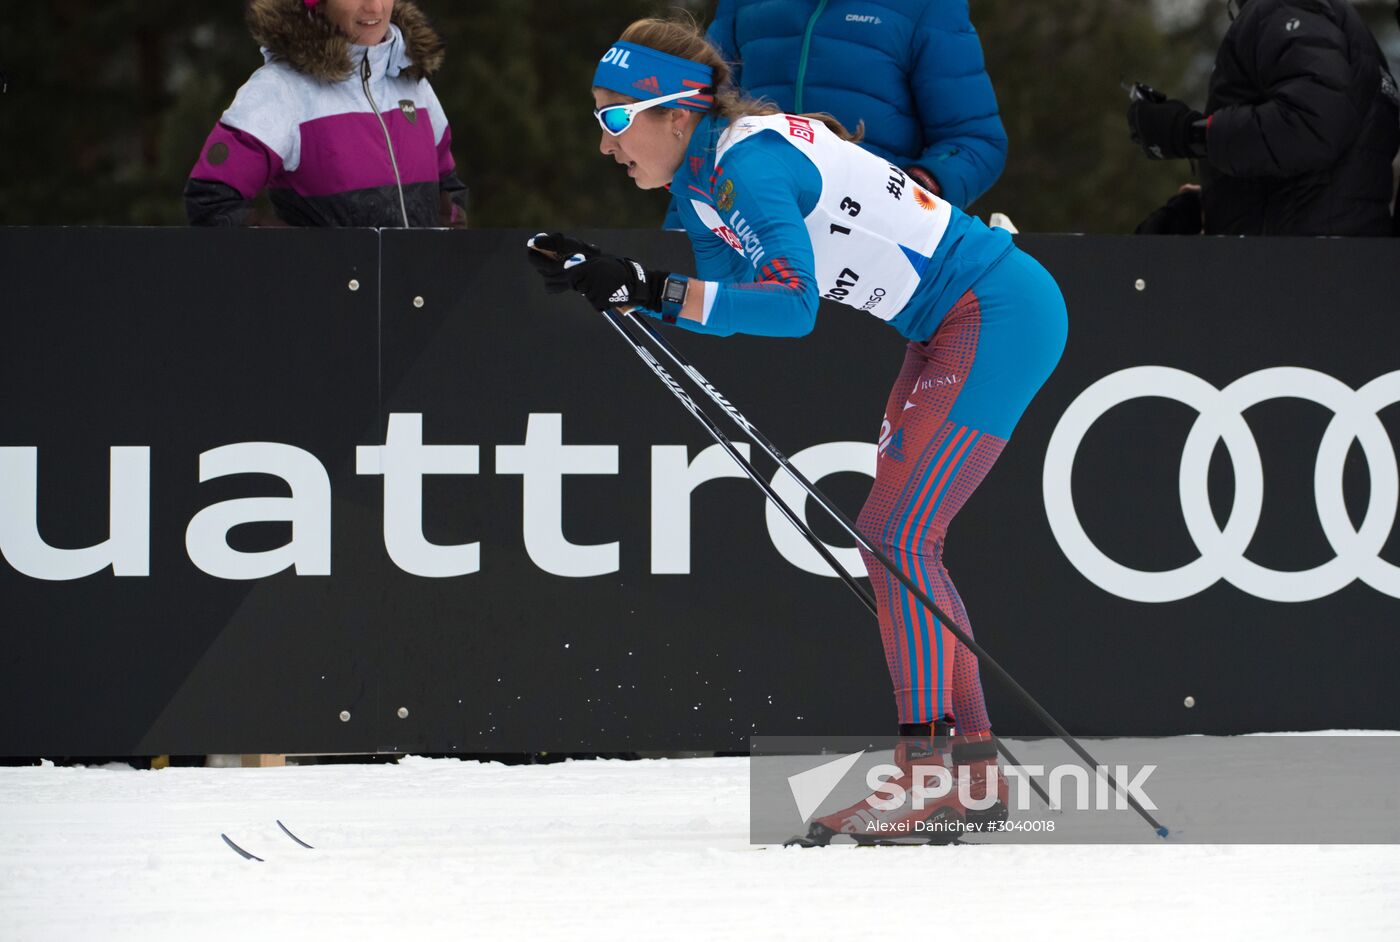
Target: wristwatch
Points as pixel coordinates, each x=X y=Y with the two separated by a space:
x=673 y=297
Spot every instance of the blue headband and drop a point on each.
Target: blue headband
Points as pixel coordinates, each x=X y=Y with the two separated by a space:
x=643 y=72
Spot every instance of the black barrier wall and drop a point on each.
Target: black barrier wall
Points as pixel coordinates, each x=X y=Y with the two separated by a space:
x=284 y=491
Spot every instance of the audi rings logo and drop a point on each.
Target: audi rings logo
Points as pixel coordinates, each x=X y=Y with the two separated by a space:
x=1355 y=418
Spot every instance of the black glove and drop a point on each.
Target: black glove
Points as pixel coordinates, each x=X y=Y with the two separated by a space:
x=1180 y=216
x=1166 y=129
x=549 y=252
x=610 y=280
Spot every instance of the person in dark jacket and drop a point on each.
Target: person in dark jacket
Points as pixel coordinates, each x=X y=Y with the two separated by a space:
x=340 y=124
x=1302 y=122
x=910 y=71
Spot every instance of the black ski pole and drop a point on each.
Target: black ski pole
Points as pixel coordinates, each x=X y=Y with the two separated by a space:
x=982 y=656
x=616 y=319
x=866 y=598
x=732 y=450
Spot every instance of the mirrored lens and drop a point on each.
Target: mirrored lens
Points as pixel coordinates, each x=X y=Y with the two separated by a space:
x=615 y=119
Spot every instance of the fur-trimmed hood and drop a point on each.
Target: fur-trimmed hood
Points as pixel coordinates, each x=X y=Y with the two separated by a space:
x=307 y=41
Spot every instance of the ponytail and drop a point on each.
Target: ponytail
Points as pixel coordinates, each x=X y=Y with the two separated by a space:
x=683 y=37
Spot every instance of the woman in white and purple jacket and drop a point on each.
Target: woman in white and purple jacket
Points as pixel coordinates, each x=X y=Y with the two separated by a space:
x=340 y=125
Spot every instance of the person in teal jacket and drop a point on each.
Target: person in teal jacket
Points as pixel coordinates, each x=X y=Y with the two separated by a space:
x=910 y=70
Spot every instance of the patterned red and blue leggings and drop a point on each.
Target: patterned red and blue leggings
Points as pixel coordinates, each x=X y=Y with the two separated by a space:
x=950 y=413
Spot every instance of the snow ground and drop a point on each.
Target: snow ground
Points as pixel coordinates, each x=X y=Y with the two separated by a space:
x=600 y=849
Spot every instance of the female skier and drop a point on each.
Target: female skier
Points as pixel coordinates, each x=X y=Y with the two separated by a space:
x=783 y=210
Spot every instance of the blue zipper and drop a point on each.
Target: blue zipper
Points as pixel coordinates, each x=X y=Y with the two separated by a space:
x=802 y=61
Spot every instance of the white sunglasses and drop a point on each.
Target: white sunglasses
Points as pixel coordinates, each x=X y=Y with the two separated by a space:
x=617 y=118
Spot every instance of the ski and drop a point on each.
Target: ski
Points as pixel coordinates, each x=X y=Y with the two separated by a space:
x=240 y=851
x=249 y=856
x=287 y=831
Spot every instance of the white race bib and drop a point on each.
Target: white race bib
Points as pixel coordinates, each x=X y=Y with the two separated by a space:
x=873 y=229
